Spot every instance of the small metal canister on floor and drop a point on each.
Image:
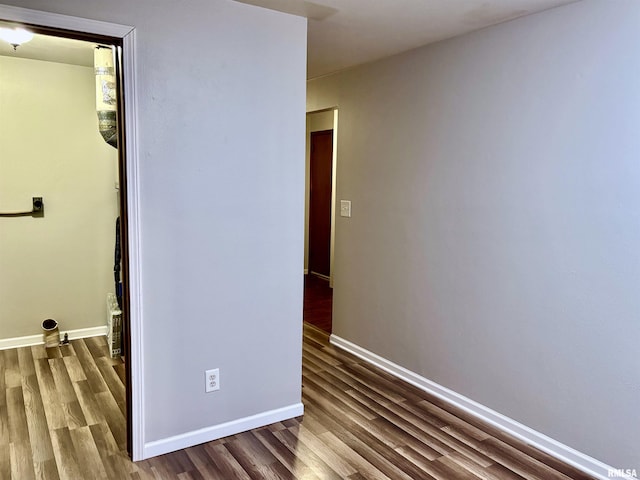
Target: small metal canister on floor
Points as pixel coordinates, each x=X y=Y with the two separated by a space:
x=51 y=334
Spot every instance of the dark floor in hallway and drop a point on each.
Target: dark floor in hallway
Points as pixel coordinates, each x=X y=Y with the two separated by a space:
x=318 y=301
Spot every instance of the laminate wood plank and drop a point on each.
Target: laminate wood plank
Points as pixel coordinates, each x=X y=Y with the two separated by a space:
x=25 y=362
x=352 y=383
x=226 y=463
x=319 y=355
x=326 y=452
x=331 y=355
x=280 y=472
x=383 y=381
x=311 y=332
x=121 y=371
x=3 y=383
x=88 y=362
x=292 y=422
x=88 y=457
x=74 y=368
x=18 y=429
x=488 y=473
x=5 y=458
x=38 y=351
x=65 y=454
x=107 y=449
x=251 y=454
x=203 y=463
x=502 y=472
x=518 y=461
x=53 y=352
x=319 y=399
x=91 y=409
x=70 y=405
x=12 y=376
x=392 y=437
x=507 y=439
x=50 y=398
x=441 y=469
x=37 y=426
x=308 y=456
x=178 y=462
x=391 y=395
x=323 y=387
x=374 y=448
x=362 y=465
x=190 y=476
x=310 y=365
x=434 y=437
x=114 y=418
x=114 y=384
x=288 y=459
x=96 y=346
x=426 y=444
x=4 y=418
x=62 y=417
x=357 y=476
x=435 y=415
x=47 y=470
x=21 y=461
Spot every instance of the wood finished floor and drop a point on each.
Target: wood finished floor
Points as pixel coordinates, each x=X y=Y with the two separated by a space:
x=61 y=417
x=318 y=302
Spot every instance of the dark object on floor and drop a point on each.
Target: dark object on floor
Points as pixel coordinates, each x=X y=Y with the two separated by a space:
x=51 y=334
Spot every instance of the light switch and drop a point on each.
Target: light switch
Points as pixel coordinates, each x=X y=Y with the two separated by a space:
x=345 y=208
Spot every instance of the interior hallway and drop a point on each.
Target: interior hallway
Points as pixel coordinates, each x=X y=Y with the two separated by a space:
x=61 y=417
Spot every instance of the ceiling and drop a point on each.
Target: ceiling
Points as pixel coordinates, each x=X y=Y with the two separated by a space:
x=51 y=49
x=343 y=33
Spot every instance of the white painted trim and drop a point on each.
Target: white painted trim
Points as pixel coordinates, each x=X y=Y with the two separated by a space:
x=334 y=189
x=135 y=246
x=334 y=192
x=85 y=332
x=189 y=439
x=127 y=34
x=558 y=450
x=18 y=342
x=30 y=340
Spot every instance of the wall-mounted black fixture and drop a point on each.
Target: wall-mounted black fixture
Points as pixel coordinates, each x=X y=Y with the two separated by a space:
x=37 y=210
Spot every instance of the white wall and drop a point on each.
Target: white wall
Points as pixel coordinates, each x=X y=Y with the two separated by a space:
x=222 y=204
x=494 y=243
x=316 y=122
x=59 y=266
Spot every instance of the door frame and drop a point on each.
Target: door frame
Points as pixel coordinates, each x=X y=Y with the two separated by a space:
x=334 y=177
x=127 y=34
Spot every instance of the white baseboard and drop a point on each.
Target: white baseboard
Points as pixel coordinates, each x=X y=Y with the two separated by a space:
x=189 y=439
x=30 y=340
x=558 y=450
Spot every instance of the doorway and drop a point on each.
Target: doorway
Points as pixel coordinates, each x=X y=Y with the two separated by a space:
x=320 y=193
x=320 y=217
x=86 y=185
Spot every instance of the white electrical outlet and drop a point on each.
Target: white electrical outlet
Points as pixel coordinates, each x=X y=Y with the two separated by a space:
x=212 y=380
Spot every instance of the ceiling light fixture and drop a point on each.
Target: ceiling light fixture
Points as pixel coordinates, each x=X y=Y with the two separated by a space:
x=15 y=36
